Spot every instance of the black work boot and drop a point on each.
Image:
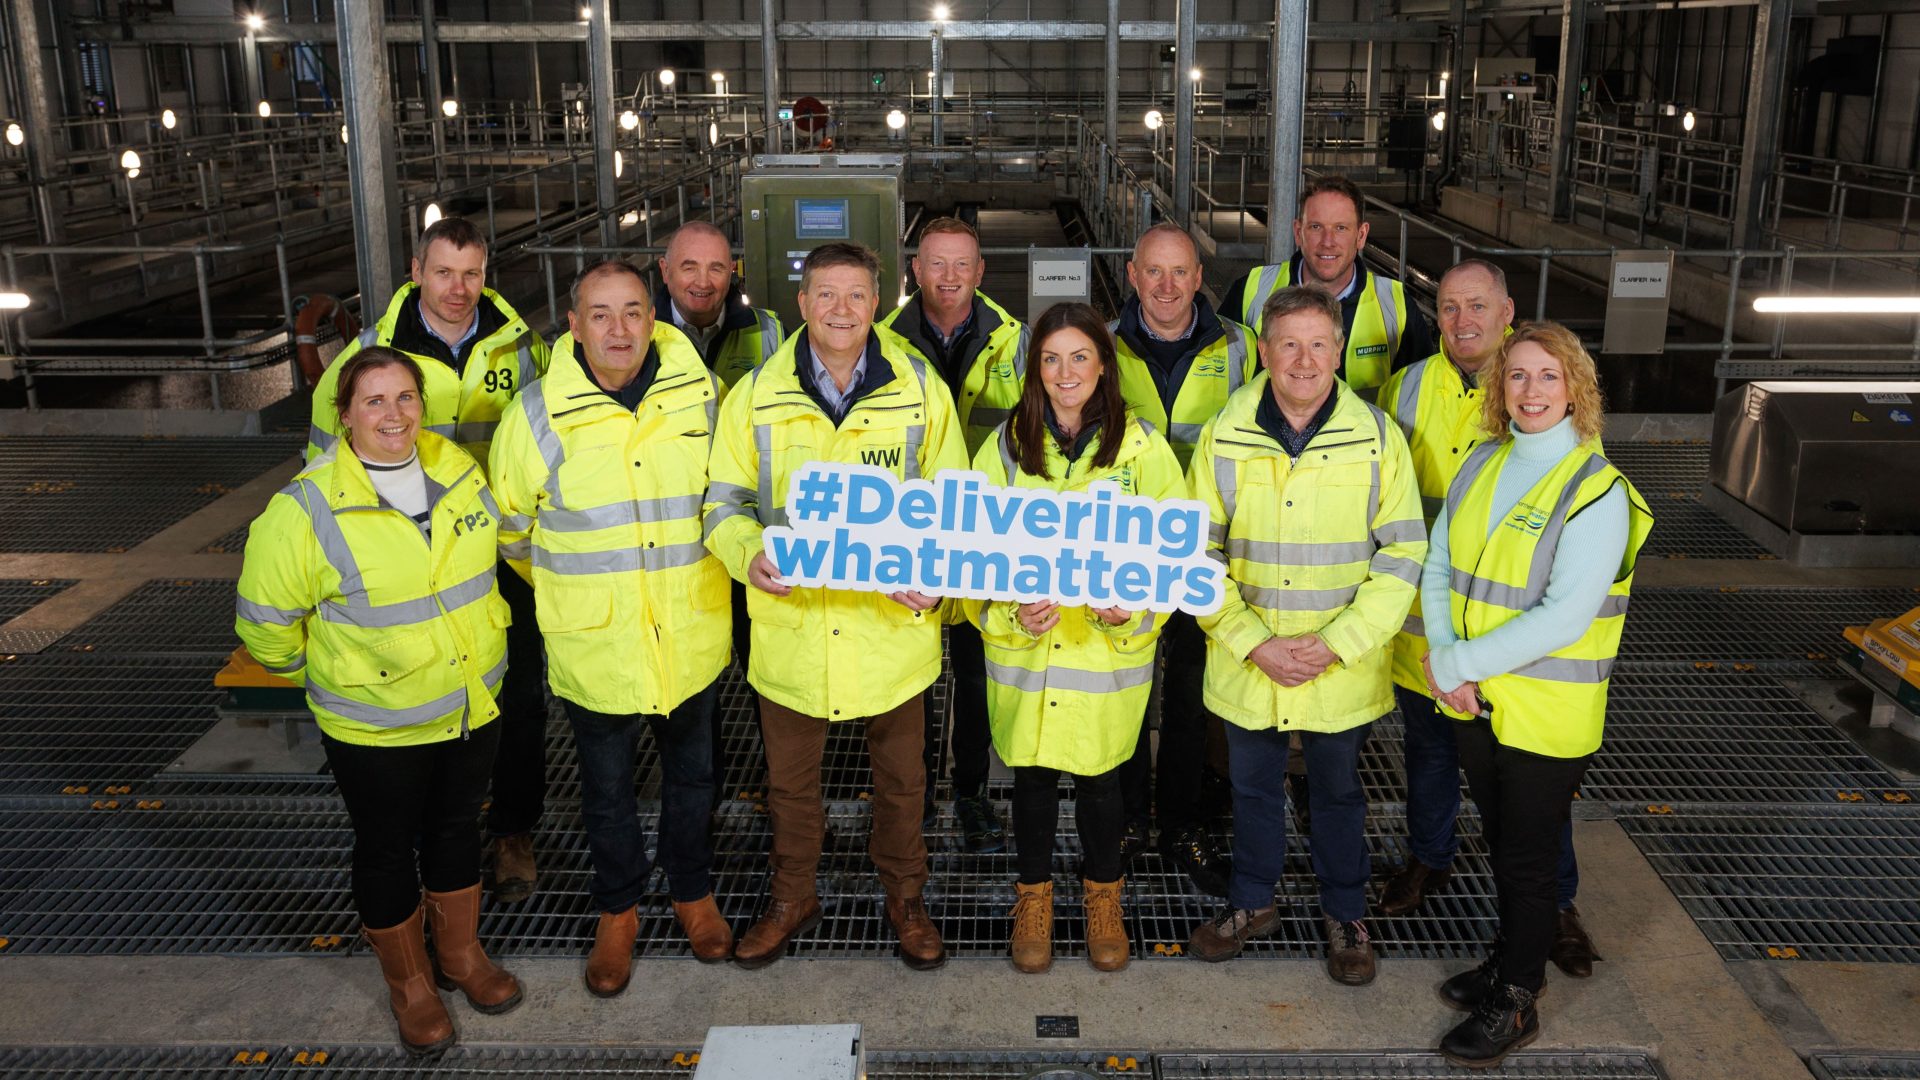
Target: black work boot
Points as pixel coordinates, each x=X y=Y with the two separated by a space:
x=1504 y=1021
x=979 y=819
x=1191 y=850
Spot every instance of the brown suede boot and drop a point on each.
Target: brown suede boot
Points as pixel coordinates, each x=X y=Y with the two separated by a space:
x=706 y=930
x=1032 y=942
x=610 y=964
x=455 y=917
x=920 y=946
x=425 y=1027
x=1106 y=925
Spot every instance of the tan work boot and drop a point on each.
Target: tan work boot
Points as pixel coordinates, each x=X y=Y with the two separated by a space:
x=455 y=917
x=1107 y=946
x=425 y=1027
x=1032 y=942
x=920 y=946
x=610 y=964
x=706 y=930
x=513 y=870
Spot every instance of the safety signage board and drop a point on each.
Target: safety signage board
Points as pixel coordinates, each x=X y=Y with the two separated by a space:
x=1638 y=293
x=1057 y=276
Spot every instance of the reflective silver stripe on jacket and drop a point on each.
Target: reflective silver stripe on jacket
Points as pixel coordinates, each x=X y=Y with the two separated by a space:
x=474 y=431
x=408 y=612
x=333 y=543
x=1399 y=532
x=445 y=431
x=1020 y=352
x=1414 y=625
x=1264 y=286
x=266 y=614
x=620 y=560
x=1236 y=358
x=769 y=512
x=1185 y=434
x=321 y=438
x=397 y=718
x=1394 y=566
x=1275 y=553
x=369 y=336
x=1389 y=313
x=1298 y=599
x=299 y=661
x=527 y=372
x=1521 y=597
x=731 y=500
x=1567 y=670
x=1074 y=679
x=625 y=512
x=769 y=334
x=916 y=433
x=1006 y=456
x=1373 y=492
x=1408 y=406
x=534 y=400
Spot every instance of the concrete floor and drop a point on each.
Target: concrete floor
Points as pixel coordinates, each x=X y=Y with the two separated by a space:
x=1661 y=989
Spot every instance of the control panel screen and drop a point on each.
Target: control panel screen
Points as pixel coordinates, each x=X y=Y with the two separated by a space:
x=820 y=219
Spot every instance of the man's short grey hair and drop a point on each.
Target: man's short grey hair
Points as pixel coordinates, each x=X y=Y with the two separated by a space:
x=1166 y=228
x=1498 y=275
x=1299 y=299
x=601 y=269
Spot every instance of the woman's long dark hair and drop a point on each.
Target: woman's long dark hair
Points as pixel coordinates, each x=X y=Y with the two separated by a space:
x=1027 y=427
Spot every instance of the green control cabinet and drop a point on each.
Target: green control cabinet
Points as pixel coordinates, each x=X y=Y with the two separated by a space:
x=792 y=204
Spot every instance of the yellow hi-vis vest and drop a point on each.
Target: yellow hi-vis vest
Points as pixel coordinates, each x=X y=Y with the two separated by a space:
x=1440 y=415
x=399 y=638
x=1330 y=543
x=1555 y=706
x=1377 y=320
x=994 y=376
x=1072 y=698
x=1223 y=367
x=748 y=335
x=836 y=654
x=602 y=513
x=463 y=406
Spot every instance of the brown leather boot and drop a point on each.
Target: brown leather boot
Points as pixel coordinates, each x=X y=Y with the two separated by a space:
x=610 y=964
x=1406 y=890
x=920 y=946
x=455 y=917
x=1107 y=947
x=425 y=1027
x=710 y=935
x=513 y=871
x=1032 y=941
x=766 y=940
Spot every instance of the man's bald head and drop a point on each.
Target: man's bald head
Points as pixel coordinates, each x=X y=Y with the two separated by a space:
x=1165 y=275
x=1474 y=312
x=1159 y=237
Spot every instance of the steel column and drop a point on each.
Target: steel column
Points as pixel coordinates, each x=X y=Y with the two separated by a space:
x=769 y=75
x=37 y=116
x=1566 y=108
x=379 y=251
x=1453 y=101
x=1287 y=74
x=1760 y=130
x=430 y=62
x=600 y=65
x=1186 y=18
x=937 y=93
x=1112 y=132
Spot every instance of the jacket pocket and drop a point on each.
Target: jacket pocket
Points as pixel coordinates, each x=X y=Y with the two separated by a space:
x=563 y=609
x=788 y=611
x=387 y=661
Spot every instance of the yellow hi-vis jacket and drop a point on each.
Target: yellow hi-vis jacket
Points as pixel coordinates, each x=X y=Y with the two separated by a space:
x=1329 y=544
x=1440 y=415
x=1072 y=698
x=400 y=639
x=1377 y=321
x=748 y=335
x=1222 y=368
x=996 y=363
x=837 y=654
x=463 y=406
x=602 y=514
x=1555 y=706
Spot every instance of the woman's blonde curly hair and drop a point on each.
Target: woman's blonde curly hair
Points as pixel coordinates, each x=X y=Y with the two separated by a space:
x=1577 y=367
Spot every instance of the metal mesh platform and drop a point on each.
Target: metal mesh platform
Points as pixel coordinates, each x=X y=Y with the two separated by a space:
x=1559 y=1065
x=1722 y=737
x=169 y=616
x=232 y=543
x=1792 y=883
x=75 y=719
x=19 y=596
x=1786 y=630
x=1670 y=477
x=1865 y=1066
x=109 y=494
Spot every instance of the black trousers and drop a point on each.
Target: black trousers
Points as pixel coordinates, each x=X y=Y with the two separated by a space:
x=1098 y=812
x=968 y=717
x=413 y=810
x=1525 y=802
x=520 y=771
x=1174 y=779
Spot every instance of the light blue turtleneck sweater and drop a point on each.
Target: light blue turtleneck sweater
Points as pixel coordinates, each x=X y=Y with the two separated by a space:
x=1584 y=566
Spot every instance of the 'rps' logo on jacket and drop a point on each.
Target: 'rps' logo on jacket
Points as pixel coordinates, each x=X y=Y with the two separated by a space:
x=476 y=520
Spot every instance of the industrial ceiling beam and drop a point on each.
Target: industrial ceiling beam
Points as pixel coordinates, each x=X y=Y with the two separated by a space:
x=183 y=32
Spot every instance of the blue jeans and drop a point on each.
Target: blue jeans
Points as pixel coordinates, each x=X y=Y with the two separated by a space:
x=608 y=746
x=1433 y=791
x=1258 y=763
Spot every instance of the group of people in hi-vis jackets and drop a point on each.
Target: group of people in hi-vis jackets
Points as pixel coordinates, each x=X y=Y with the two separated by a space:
x=1401 y=523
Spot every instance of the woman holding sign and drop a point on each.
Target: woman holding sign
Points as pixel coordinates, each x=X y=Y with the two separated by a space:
x=1067 y=686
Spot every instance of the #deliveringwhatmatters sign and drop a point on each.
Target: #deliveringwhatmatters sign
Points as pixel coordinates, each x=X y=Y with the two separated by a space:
x=860 y=527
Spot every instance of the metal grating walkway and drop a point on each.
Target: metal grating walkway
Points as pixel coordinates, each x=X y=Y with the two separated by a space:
x=1670 y=477
x=109 y=494
x=1792 y=883
x=1361 y=1066
x=1865 y=1066
x=19 y=596
x=169 y=616
x=89 y=720
x=232 y=543
x=658 y=1063
x=1784 y=630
